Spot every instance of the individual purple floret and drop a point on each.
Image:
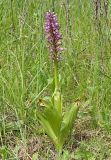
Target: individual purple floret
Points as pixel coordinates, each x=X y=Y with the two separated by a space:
x=53 y=35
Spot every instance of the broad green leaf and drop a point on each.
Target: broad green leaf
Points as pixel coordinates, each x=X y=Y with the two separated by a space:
x=54 y=118
x=67 y=122
x=51 y=122
x=47 y=127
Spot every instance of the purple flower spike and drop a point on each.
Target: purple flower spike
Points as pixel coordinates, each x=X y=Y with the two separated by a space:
x=53 y=35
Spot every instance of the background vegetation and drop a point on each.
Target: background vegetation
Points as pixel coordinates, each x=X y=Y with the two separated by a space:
x=26 y=71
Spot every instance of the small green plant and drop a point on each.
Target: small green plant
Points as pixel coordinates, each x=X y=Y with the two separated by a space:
x=55 y=122
x=4 y=153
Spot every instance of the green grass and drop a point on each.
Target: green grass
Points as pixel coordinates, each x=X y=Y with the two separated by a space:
x=26 y=71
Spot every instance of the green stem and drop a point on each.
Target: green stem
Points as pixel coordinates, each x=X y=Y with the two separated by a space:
x=57 y=93
x=59 y=154
x=56 y=75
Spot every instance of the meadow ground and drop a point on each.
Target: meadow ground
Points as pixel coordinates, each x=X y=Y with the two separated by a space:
x=26 y=73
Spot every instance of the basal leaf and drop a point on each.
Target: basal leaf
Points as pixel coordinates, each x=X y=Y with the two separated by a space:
x=54 y=118
x=47 y=127
x=67 y=122
x=51 y=120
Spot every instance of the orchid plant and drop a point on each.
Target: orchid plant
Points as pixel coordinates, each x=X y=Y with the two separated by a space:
x=55 y=122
